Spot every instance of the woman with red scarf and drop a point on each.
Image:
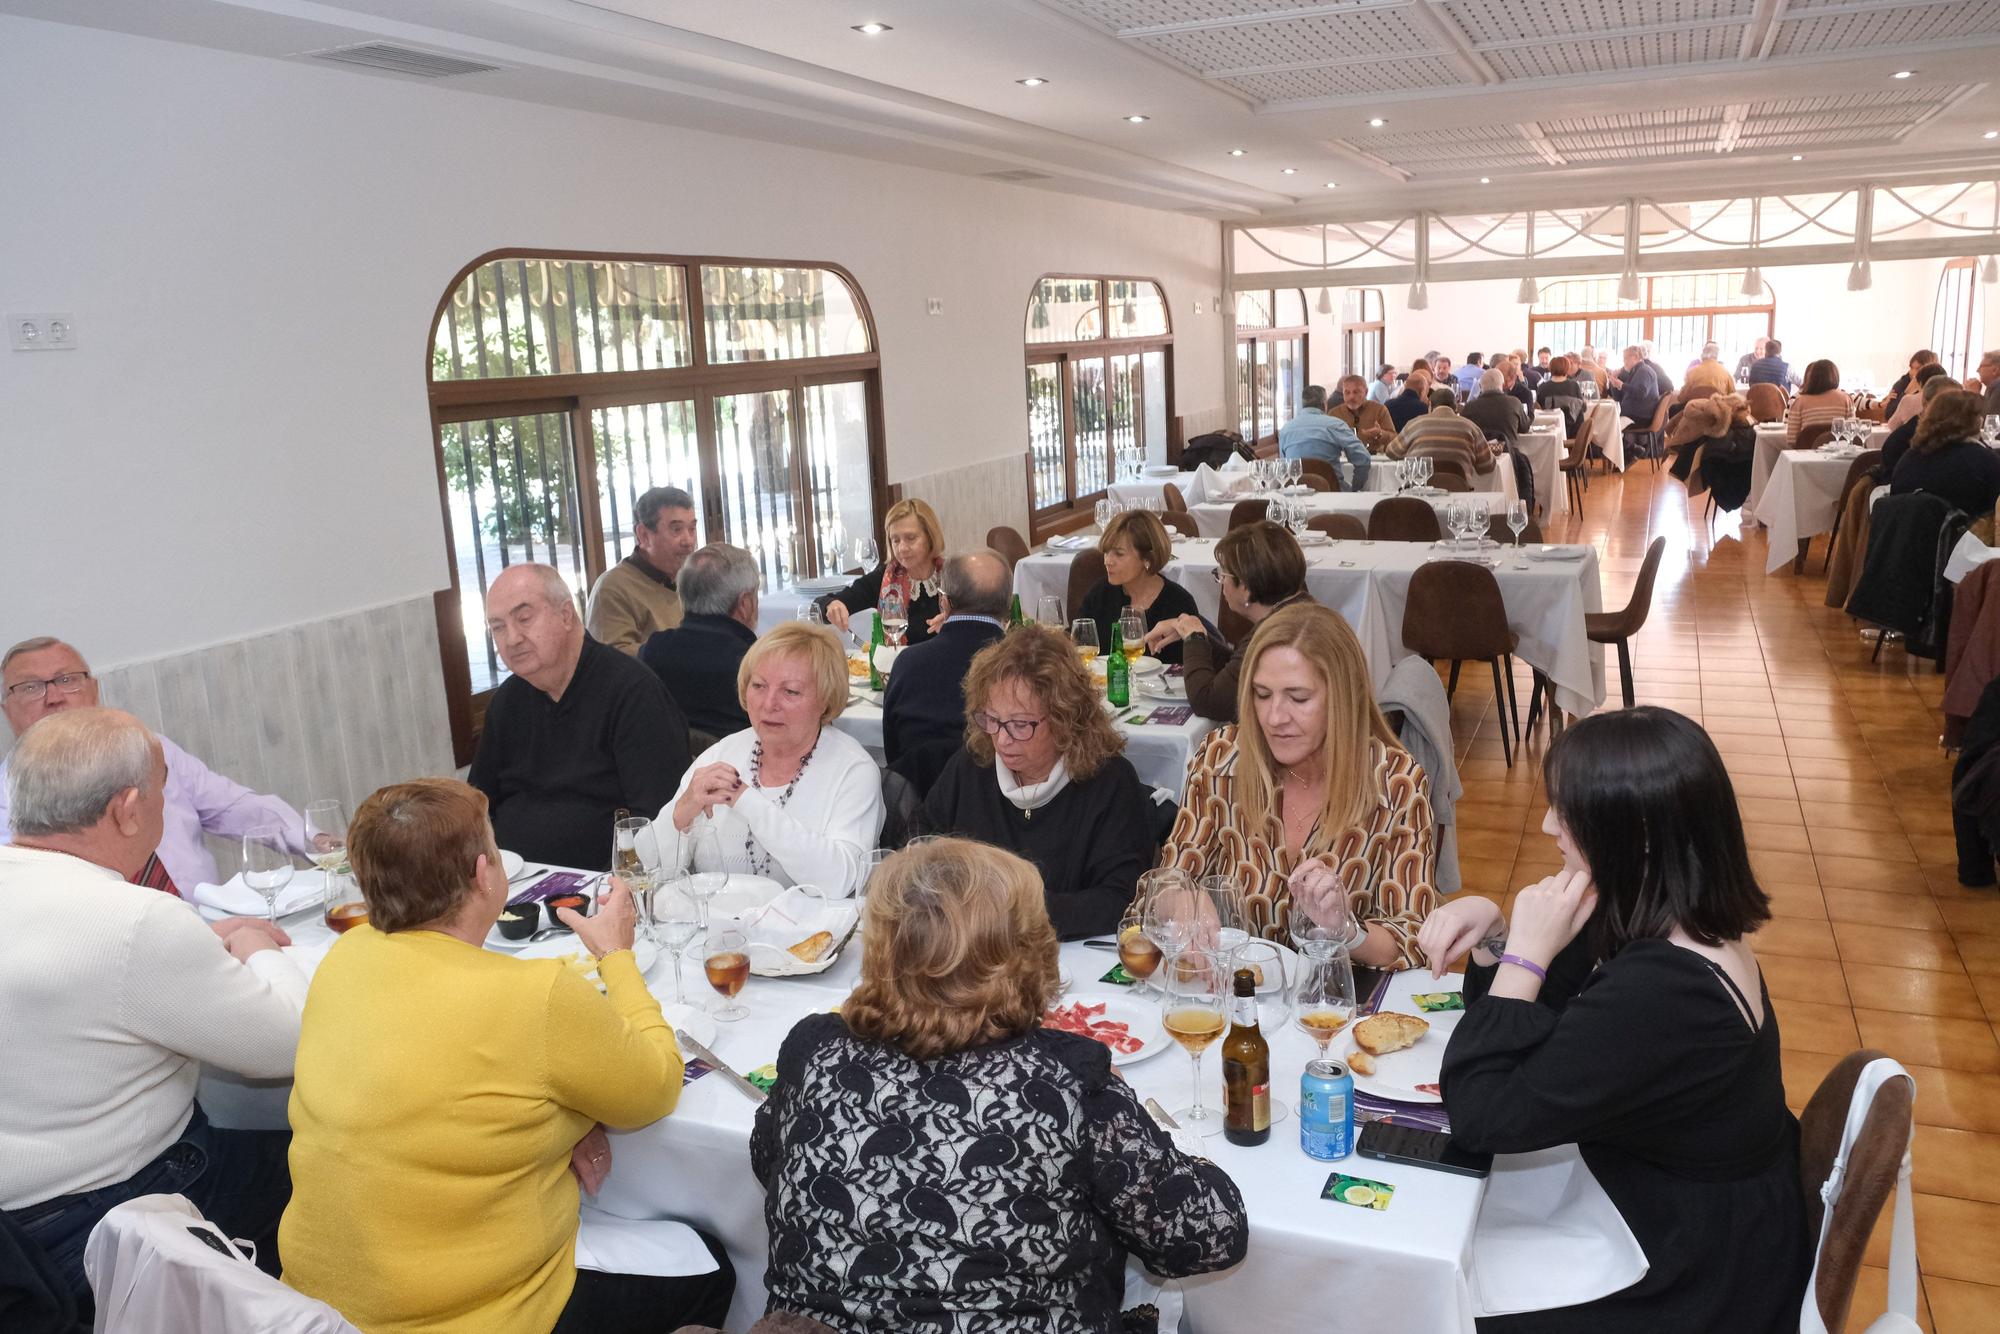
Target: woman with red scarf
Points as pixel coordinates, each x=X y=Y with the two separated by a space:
x=907 y=580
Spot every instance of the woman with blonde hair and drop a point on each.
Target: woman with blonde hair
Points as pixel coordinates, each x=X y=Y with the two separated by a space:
x=789 y=797
x=1043 y=775
x=933 y=1157
x=907 y=580
x=1311 y=792
x=1136 y=548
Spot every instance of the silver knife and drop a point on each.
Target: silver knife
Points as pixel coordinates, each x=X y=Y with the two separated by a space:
x=721 y=1066
x=1160 y=1115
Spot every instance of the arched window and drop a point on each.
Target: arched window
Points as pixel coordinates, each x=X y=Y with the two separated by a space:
x=1677 y=311
x=1270 y=360
x=1957 y=318
x=1100 y=380
x=1364 y=333
x=562 y=387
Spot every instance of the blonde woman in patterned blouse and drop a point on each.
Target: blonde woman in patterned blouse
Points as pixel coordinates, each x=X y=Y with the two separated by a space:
x=1311 y=793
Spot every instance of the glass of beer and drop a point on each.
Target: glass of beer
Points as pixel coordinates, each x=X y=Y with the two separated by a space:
x=1136 y=950
x=726 y=960
x=345 y=908
x=1084 y=631
x=1192 y=990
x=1132 y=635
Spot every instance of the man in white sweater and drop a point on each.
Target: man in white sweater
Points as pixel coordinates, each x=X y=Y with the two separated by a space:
x=114 y=995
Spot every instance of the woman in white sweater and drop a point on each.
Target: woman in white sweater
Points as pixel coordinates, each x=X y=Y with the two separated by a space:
x=790 y=797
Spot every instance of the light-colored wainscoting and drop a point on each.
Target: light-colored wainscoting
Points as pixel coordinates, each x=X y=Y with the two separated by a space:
x=971 y=499
x=333 y=708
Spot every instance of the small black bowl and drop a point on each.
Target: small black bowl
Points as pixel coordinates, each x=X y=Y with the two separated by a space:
x=519 y=921
x=579 y=902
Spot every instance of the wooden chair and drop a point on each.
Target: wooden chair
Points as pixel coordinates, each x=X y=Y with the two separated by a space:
x=1691 y=392
x=1323 y=470
x=1864 y=463
x=1449 y=478
x=1404 y=519
x=1649 y=439
x=1874 y=1162
x=1176 y=502
x=1813 y=436
x=1008 y=543
x=1180 y=521
x=1317 y=482
x=1618 y=627
x=1085 y=573
x=1247 y=511
x=1497 y=529
x=1455 y=613
x=1339 y=527
x=1576 y=458
x=1767 y=402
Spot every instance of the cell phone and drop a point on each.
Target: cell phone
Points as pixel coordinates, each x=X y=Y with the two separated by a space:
x=1421 y=1148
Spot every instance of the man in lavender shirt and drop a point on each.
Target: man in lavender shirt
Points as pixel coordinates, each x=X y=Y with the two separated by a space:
x=43 y=676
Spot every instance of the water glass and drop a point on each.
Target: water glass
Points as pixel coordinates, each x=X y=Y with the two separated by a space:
x=267 y=866
x=1517 y=523
x=1049 y=611
x=673 y=919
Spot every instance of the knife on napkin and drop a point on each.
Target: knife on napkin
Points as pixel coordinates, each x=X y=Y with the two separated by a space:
x=721 y=1066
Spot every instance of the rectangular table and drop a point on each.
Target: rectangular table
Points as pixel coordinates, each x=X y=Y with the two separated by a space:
x=1605 y=432
x=1368 y=584
x=1213 y=518
x=1801 y=500
x=1544 y=448
x=1150 y=488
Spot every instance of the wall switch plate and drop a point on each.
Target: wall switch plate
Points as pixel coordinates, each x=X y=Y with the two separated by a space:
x=934 y=305
x=41 y=333
x=1197 y=307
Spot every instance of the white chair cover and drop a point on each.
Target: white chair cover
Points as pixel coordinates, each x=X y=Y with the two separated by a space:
x=158 y=1267
x=1901 y=1317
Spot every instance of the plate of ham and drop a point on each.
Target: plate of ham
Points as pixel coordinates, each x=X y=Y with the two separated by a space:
x=1131 y=1030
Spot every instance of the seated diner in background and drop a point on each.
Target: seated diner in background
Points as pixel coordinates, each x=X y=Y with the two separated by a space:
x=116 y=997
x=1312 y=789
x=1365 y=416
x=1898 y=442
x=791 y=797
x=576 y=733
x=1443 y=433
x=1315 y=433
x=1911 y=405
x=905 y=584
x=43 y=676
x=1619 y=1007
x=1749 y=359
x=1515 y=382
x=1136 y=548
x=1043 y=774
x=1709 y=372
x=1384 y=386
x=1948 y=459
x=1907 y=381
x=1637 y=388
x=924 y=702
x=637 y=598
x=697 y=660
x=1820 y=399
x=451 y=1100
x=1557 y=383
x=1498 y=414
x=1260 y=569
x=1414 y=401
x=1772 y=368
x=1007 y=1171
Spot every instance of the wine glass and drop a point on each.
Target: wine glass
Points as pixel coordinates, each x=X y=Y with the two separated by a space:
x=866 y=554
x=1992 y=428
x=326 y=834
x=1426 y=467
x=1313 y=939
x=1102 y=512
x=1137 y=951
x=811 y=612
x=895 y=617
x=1194 y=983
x=707 y=875
x=1222 y=924
x=1049 y=611
x=1324 y=1002
x=1132 y=634
x=726 y=960
x=1295 y=471
x=267 y=865
x=1084 y=631
x=635 y=854
x=1517 y=523
x=673 y=916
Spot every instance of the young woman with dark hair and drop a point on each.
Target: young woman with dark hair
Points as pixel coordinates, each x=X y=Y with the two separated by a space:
x=1621 y=1010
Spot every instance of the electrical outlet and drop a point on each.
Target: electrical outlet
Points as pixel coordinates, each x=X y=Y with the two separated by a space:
x=934 y=305
x=1197 y=307
x=42 y=333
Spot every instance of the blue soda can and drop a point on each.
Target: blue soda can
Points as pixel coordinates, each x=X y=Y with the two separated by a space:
x=1326 y=1111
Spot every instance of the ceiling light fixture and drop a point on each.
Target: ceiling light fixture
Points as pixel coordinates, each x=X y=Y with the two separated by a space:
x=1991 y=134
x=1902 y=74
x=1236 y=152
x=872 y=29
x=1486 y=180
x=1798 y=157
x=1137 y=120
x=1376 y=123
x=1035 y=82
x=1332 y=185
x=1289 y=171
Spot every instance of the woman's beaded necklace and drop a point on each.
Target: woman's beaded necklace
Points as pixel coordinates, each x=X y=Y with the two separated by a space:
x=756 y=768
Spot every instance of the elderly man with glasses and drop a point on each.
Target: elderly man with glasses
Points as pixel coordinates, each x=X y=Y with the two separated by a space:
x=44 y=676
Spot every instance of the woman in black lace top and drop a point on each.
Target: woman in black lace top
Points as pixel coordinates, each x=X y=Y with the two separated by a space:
x=934 y=1159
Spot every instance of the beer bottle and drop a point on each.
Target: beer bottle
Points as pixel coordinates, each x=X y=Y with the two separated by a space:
x=1014 y=612
x=875 y=642
x=1246 y=1070
x=1117 y=673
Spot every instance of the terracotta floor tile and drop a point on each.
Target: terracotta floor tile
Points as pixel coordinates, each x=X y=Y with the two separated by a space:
x=1796 y=936
x=1797 y=977
x=1913 y=991
x=1762 y=785
x=1961 y=1163
x=1911 y=911
x=1803 y=1072
x=1920 y=1039
x=1956 y=1307
x=1961 y=1099
x=1796 y=901
x=1791 y=868
x=1841 y=815
x=1973 y=918
x=1987 y=986
x=1980 y=954
x=1958 y=1238
x=1487 y=843
x=1486 y=815
x=1760 y=837
x=1812 y=789
x=1769 y=810
x=1896 y=946
x=1806 y=1026
x=1869 y=843
x=1868 y=873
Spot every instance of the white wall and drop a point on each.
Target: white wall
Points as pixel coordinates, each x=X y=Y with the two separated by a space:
x=253 y=250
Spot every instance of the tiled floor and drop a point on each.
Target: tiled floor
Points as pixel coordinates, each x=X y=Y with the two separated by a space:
x=1845 y=799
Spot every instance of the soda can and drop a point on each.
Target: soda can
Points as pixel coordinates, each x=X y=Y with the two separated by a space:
x=1326 y=1111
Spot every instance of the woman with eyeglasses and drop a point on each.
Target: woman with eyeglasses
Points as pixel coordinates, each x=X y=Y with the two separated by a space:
x=1042 y=775
x=1260 y=569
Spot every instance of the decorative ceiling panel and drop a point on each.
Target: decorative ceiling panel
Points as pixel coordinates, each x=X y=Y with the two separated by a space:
x=1542 y=21
x=1120 y=15
x=1803 y=33
x=1343 y=36
x=1686 y=46
x=1381 y=76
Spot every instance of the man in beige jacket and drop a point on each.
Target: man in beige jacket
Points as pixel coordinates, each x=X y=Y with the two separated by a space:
x=636 y=598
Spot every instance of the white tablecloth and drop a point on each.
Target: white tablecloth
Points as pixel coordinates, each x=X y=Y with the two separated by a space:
x=1150 y=488
x=1213 y=519
x=1967 y=556
x=1368 y=584
x=1606 y=433
x=1770 y=444
x=1801 y=500
x=1544 y=447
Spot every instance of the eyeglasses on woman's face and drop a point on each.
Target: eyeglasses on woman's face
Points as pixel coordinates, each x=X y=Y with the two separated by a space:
x=1017 y=729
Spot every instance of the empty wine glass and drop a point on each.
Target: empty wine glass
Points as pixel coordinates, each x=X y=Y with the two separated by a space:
x=267 y=866
x=1222 y=925
x=1517 y=523
x=1102 y=512
x=1992 y=429
x=1165 y=899
x=707 y=875
x=866 y=554
x=673 y=917
x=1315 y=939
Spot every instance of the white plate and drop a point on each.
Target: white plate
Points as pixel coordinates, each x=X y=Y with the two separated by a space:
x=741 y=894
x=1142 y=1021
x=1172 y=689
x=1397 y=1074
x=1312 y=537
x=1555 y=553
x=512 y=863
x=1147 y=666
x=644 y=952
x=692 y=1020
x=825 y=584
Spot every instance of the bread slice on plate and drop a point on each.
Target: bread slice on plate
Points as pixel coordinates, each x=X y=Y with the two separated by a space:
x=1380 y=1034
x=1360 y=1062
x=814 y=945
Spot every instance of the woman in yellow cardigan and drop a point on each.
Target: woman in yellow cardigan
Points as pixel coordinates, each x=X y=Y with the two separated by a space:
x=448 y=1100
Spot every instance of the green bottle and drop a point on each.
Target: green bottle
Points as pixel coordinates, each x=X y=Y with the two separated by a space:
x=875 y=642
x=1014 y=612
x=1117 y=672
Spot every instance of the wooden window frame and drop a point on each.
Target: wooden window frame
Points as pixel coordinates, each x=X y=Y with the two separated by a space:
x=1078 y=510
x=578 y=395
x=1647 y=312
x=1964 y=342
x=1277 y=333
x=1351 y=330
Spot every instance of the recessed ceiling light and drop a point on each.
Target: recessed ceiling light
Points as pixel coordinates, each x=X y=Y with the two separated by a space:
x=1902 y=74
x=1332 y=186
x=1376 y=123
x=1486 y=180
x=872 y=29
x=1289 y=171
x=1138 y=120
x=1236 y=152
x=1991 y=134
x=1798 y=157
x=1031 y=83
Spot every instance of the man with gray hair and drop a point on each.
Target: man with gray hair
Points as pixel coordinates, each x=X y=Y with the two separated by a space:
x=115 y=997
x=925 y=701
x=637 y=596
x=576 y=734
x=43 y=677
x=1313 y=433
x=697 y=659
x=1496 y=412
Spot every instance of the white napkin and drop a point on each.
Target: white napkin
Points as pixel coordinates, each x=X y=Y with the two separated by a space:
x=233 y=898
x=1202 y=485
x=794 y=915
x=1547 y=1236
x=658 y=1247
x=1236 y=463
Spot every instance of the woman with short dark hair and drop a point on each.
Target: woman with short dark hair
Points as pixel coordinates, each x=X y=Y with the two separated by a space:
x=1261 y=569
x=1819 y=399
x=933 y=1158
x=1948 y=459
x=1621 y=1009
x=1136 y=548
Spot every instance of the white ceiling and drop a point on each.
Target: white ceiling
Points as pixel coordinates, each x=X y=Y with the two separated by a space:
x=1557 y=102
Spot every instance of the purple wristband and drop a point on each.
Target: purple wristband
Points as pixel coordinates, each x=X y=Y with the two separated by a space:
x=1528 y=964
